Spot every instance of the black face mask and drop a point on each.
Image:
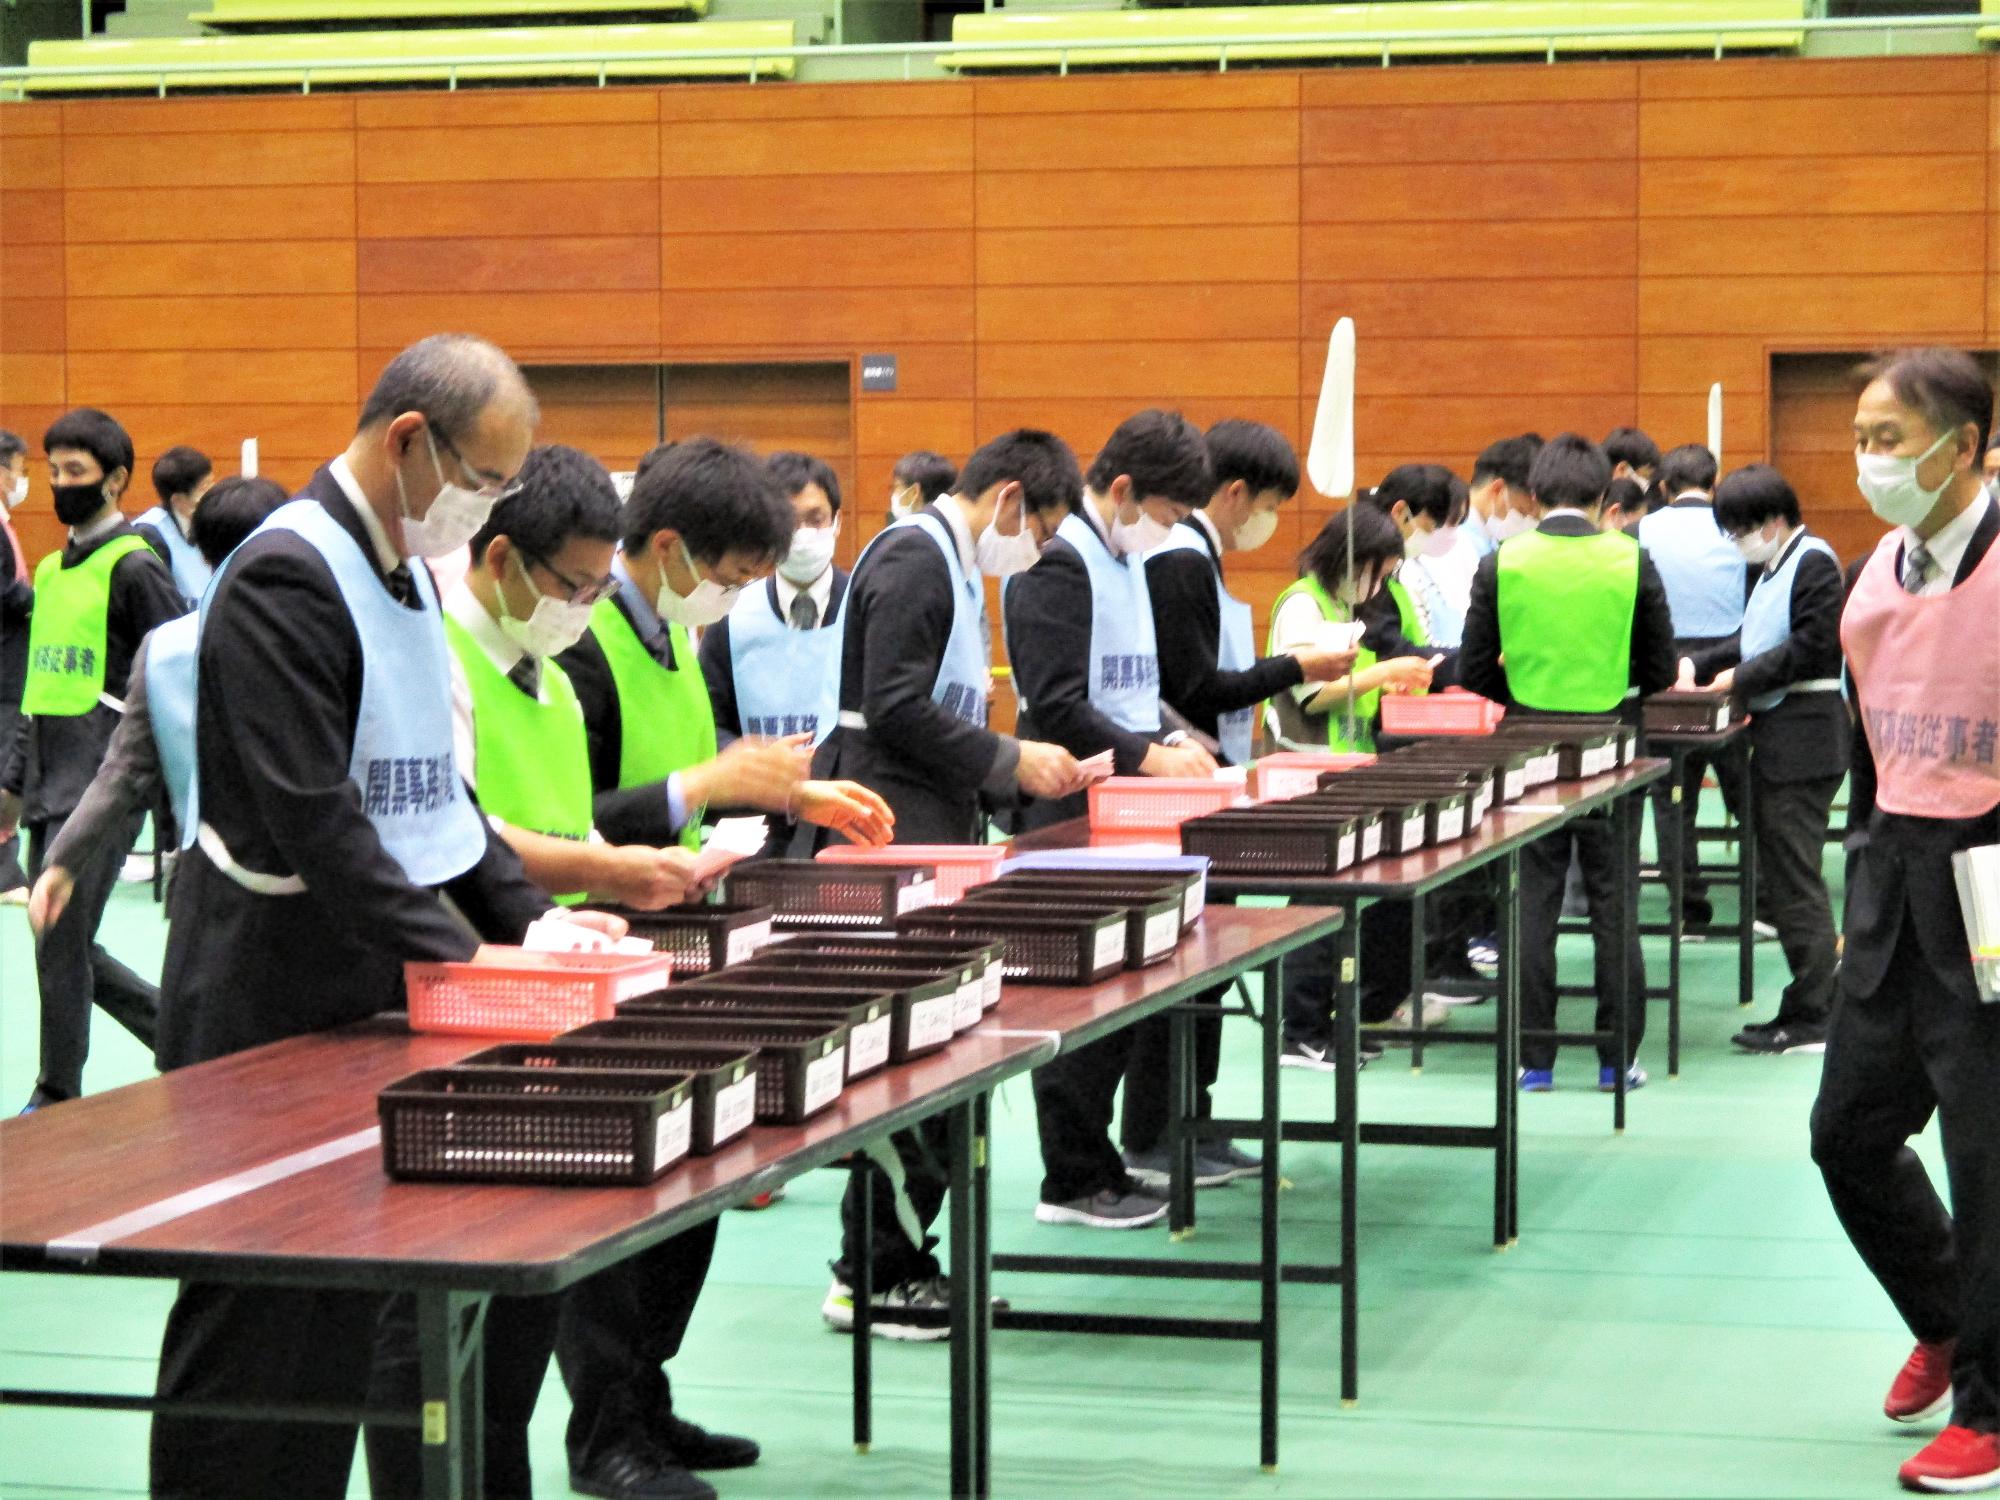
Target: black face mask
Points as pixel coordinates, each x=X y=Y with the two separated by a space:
x=77 y=503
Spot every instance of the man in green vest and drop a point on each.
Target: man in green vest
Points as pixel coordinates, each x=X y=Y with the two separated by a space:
x=703 y=522
x=94 y=602
x=1569 y=619
x=539 y=566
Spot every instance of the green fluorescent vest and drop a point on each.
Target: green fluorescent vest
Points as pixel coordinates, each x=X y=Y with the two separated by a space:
x=1566 y=605
x=66 y=638
x=1334 y=724
x=666 y=721
x=1411 y=617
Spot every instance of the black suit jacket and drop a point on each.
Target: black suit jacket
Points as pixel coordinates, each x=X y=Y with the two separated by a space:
x=280 y=688
x=1904 y=871
x=17 y=608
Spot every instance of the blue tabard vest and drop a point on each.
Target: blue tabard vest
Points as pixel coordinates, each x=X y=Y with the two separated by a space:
x=191 y=570
x=170 y=671
x=1703 y=571
x=787 y=681
x=1235 y=646
x=1767 y=619
x=1124 y=658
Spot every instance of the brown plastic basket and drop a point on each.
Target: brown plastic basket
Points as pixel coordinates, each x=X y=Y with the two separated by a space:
x=724 y=1079
x=984 y=958
x=1188 y=888
x=1405 y=821
x=550 y=1127
x=811 y=895
x=1242 y=842
x=867 y=1011
x=1689 y=713
x=924 y=999
x=801 y=1065
x=702 y=938
x=1056 y=946
x=1152 y=927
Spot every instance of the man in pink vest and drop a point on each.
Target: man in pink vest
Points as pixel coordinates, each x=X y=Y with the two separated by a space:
x=1912 y=1036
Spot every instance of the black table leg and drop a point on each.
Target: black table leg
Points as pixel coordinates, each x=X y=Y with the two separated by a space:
x=861 y=1288
x=1505 y=1086
x=1419 y=972
x=1627 y=914
x=970 y=1310
x=1746 y=883
x=1347 y=1110
x=1508 y=1023
x=451 y=1329
x=1672 y=853
x=982 y=1266
x=1180 y=1115
x=1271 y=1269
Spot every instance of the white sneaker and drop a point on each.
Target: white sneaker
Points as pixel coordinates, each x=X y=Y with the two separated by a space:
x=137 y=868
x=1435 y=1013
x=1766 y=933
x=892 y=1311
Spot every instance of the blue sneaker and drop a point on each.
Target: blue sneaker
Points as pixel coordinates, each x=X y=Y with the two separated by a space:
x=1607 y=1080
x=1538 y=1080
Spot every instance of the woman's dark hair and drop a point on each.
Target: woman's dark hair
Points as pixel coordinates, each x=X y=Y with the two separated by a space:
x=932 y=473
x=1376 y=540
x=1752 y=495
x=1424 y=488
x=721 y=499
x=560 y=492
x=229 y=512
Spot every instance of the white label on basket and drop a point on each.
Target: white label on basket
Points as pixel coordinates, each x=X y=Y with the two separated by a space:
x=1371 y=839
x=824 y=1078
x=1162 y=932
x=735 y=1108
x=1110 y=946
x=673 y=1132
x=1545 y=767
x=745 y=941
x=648 y=981
x=1191 y=904
x=868 y=1045
x=995 y=974
x=1451 y=823
x=916 y=895
x=1516 y=783
x=933 y=1021
x=1413 y=830
x=969 y=1004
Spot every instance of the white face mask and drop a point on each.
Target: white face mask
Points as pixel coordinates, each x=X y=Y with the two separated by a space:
x=17 y=492
x=811 y=554
x=1758 y=549
x=708 y=602
x=1257 y=529
x=1137 y=538
x=906 y=501
x=1437 y=543
x=1511 y=524
x=1888 y=483
x=1000 y=556
x=551 y=628
x=453 y=519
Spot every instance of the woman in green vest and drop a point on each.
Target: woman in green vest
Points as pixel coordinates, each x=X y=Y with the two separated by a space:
x=1355 y=554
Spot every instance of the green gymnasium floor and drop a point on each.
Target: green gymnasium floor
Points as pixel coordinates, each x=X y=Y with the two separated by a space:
x=1682 y=1316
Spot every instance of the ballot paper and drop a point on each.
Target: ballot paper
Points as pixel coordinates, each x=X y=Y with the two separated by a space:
x=1978 y=875
x=1097 y=768
x=1338 y=635
x=731 y=840
x=555 y=933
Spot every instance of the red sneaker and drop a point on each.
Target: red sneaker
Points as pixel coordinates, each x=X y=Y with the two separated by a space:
x=1957 y=1462
x=1923 y=1385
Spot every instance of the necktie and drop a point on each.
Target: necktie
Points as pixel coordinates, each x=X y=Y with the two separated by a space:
x=1918 y=566
x=805 y=613
x=402 y=587
x=526 y=674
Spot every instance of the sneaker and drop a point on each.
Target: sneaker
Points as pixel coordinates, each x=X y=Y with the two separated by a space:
x=1782 y=1037
x=1483 y=953
x=1225 y=1155
x=42 y=1098
x=1538 y=1080
x=1957 y=1462
x=640 y=1470
x=14 y=896
x=698 y=1448
x=1370 y=1052
x=913 y=1312
x=1154 y=1169
x=1110 y=1208
x=1303 y=1054
x=1766 y=933
x=1453 y=998
x=1607 y=1080
x=1436 y=1011
x=137 y=869
x=1922 y=1387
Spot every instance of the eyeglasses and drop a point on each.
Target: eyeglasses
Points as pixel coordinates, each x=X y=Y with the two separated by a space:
x=490 y=486
x=589 y=592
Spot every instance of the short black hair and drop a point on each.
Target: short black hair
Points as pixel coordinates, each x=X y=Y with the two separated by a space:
x=179 y=470
x=10 y=445
x=1509 y=459
x=1375 y=538
x=1631 y=447
x=1424 y=488
x=230 y=511
x=1752 y=495
x=1039 y=461
x=1163 y=454
x=1946 y=385
x=1689 y=467
x=720 y=498
x=1627 y=494
x=652 y=456
x=1569 y=471
x=1461 y=499
x=94 y=432
x=449 y=377
x=560 y=493
x=1254 y=452
x=794 y=471
x=932 y=473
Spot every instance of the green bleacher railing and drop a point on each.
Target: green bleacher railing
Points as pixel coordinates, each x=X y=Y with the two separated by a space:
x=1532 y=39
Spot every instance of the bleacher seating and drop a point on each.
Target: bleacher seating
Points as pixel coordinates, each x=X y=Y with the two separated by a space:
x=1330 y=32
x=291 y=59
x=224 y=14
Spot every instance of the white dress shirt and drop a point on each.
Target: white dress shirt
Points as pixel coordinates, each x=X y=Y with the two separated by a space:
x=1947 y=548
x=820 y=591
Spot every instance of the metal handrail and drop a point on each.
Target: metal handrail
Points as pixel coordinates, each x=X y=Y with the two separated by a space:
x=909 y=52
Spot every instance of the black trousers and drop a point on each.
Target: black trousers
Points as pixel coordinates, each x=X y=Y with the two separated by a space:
x=1074 y=1096
x=73 y=969
x=615 y=1332
x=893 y=1260
x=1310 y=974
x=520 y=1335
x=1917 y=1047
x=238 y=1343
x=1544 y=868
x=11 y=878
x=1728 y=776
x=1791 y=826
x=1142 y=1122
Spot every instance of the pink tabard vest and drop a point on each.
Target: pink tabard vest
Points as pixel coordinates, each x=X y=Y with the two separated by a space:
x=1927 y=671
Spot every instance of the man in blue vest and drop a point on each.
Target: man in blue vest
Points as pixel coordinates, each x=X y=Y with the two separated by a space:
x=181 y=476
x=1707 y=586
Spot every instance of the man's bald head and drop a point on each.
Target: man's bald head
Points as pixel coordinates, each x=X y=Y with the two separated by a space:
x=452 y=379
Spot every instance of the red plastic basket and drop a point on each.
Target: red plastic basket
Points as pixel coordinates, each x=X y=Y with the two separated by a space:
x=1453 y=711
x=1157 y=803
x=1284 y=774
x=959 y=866
x=531 y=995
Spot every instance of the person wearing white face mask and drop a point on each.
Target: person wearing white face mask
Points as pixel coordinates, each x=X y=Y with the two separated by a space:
x=1913 y=1037
x=1785 y=667
x=920 y=478
x=17 y=605
x=1413 y=615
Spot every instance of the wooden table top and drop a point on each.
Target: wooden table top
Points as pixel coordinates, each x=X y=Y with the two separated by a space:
x=67 y=1171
